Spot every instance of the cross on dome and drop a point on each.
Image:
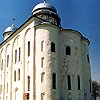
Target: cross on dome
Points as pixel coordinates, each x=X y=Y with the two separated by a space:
x=13 y=21
x=44 y=1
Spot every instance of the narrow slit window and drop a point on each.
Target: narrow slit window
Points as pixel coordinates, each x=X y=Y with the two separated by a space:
x=2 y=65
x=18 y=74
x=54 y=81
x=42 y=46
x=69 y=82
x=68 y=50
x=88 y=58
x=28 y=78
x=19 y=53
x=28 y=48
x=14 y=75
x=27 y=96
x=78 y=82
x=15 y=56
x=7 y=60
x=42 y=62
x=53 y=47
x=42 y=77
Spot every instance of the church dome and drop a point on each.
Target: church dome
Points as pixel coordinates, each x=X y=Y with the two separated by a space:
x=11 y=28
x=8 y=31
x=44 y=5
x=47 y=12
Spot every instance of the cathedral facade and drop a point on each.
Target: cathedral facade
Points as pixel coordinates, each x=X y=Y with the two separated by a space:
x=42 y=61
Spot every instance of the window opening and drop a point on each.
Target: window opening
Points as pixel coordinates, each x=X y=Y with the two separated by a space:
x=42 y=77
x=15 y=56
x=2 y=65
x=42 y=96
x=14 y=75
x=42 y=46
x=42 y=62
x=52 y=47
x=88 y=58
x=19 y=53
x=69 y=82
x=54 y=81
x=78 y=82
x=28 y=48
x=28 y=83
x=68 y=50
x=7 y=60
x=18 y=74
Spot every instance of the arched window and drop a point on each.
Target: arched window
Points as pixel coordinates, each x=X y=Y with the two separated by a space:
x=78 y=78
x=28 y=80
x=52 y=47
x=54 y=81
x=43 y=96
x=68 y=50
x=69 y=82
x=42 y=77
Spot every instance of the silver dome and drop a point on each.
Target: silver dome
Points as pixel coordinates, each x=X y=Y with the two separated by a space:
x=44 y=5
x=11 y=28
x=47 y=12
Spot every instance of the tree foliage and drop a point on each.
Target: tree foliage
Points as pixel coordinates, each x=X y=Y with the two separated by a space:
x=96 y=89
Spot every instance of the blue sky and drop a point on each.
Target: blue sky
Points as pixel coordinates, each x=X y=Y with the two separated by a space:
x=81 y=15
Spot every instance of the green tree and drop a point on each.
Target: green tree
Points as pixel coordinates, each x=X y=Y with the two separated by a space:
x=96 y=89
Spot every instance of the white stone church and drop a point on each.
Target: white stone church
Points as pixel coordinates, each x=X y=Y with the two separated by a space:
x=42 y=61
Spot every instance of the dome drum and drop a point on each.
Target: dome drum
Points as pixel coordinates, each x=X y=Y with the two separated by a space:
x=44 y=9
x=47 y=13
x=52 y=18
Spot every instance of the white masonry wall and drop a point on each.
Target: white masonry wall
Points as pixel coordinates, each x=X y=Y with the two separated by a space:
x=42 y=63
x=71 y=64
x=47 y=34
